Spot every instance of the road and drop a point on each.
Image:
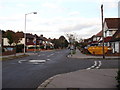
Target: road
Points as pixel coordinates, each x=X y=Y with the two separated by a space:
x=31 y=71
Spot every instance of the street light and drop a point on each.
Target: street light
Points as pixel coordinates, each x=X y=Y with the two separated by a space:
x=25 y=29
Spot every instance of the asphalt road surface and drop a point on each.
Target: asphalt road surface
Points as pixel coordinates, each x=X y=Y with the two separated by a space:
x=31 y=71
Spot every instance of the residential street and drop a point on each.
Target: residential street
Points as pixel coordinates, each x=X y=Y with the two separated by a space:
x=31 y=71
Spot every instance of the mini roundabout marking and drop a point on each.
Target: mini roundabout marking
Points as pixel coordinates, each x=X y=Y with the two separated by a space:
x=32 y=61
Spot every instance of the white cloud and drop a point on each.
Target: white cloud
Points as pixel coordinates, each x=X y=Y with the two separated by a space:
x=21 y=5
x=74 y=13
x=55 y=7
x=61 y=25
x=50 y=5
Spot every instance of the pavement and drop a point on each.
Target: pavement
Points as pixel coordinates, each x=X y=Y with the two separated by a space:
x=92 y=78
x=84 y=56
x=95 y=78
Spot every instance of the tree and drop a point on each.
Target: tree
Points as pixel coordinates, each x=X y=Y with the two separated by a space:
x=60 y=43
x=56 y=43
x=10 y=36
x=3 y=34
x=63 y=42
x=18 y=37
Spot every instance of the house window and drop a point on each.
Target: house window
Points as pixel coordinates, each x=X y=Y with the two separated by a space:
x=110 y=33
x=27 y=40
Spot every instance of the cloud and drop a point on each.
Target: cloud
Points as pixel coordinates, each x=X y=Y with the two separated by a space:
x=50 y=5
x=78 y=24
x=109 y=3
x=55 y=7
x=74 y=13
x=22 y=5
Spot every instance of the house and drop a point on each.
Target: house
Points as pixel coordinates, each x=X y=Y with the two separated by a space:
x=29 y=40
x=37 y=41
x=115 y=42
x=111 y=26
x=21 y=41
x=95 y=39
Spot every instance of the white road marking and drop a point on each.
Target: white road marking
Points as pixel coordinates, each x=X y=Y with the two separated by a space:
x=95 y=65
x=21 y=61
x=48 y=59
x=37 y=61
x=32 y=61
x=50 y=55
x=99 y=64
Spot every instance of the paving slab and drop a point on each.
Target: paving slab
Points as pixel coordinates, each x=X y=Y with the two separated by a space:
x=94 y=78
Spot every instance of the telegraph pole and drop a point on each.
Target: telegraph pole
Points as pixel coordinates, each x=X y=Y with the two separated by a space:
x=102 y=32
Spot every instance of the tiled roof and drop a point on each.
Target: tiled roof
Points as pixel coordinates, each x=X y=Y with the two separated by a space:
x=112 y=22
x=116 y=36
x=28 y=35
x=99 y=34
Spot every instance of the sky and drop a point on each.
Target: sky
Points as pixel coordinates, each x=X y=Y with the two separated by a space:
x=56 y=17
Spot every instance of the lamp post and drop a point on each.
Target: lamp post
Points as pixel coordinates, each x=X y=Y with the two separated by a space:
x=25 y=29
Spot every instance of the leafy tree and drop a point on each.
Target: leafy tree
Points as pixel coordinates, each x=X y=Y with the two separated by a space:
x=18 y=37
x=63 y=42
x=3 y=34
x=10 y=36
x=60 y=43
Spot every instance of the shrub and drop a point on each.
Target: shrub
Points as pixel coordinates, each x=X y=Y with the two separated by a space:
x=19 y=48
